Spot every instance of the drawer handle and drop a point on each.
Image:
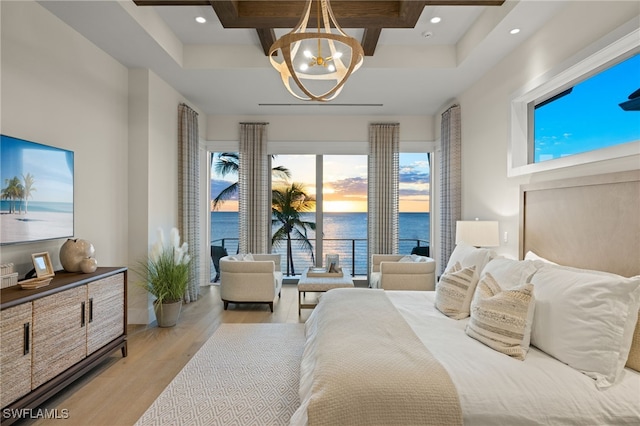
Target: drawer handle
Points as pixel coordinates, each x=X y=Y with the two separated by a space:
x=91 y=309
x=26 y=342
x=82 y=314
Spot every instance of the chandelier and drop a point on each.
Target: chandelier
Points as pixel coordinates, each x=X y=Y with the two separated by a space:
x=315 y=60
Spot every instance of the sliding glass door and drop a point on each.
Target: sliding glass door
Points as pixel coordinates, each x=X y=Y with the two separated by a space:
x=294 y=211
x=415 y=201
x=344 y=210
x=320 y=208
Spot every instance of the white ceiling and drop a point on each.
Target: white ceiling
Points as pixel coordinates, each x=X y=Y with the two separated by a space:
x=225 y=72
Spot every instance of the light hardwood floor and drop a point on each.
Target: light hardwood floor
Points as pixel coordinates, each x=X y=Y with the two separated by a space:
x=118 y=391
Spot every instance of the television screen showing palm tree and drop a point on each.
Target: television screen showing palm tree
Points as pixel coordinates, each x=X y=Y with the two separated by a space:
x=36 y=191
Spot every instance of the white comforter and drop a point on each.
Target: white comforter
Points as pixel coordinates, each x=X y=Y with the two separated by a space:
x=497 y=390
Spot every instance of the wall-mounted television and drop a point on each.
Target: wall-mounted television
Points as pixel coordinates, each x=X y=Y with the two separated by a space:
x=36 y=191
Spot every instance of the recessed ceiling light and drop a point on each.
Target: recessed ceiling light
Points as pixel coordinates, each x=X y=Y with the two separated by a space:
x=436 y=19
x=200 y=20
x=514 y=31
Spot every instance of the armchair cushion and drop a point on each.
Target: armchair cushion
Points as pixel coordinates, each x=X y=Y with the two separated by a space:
x=250 y=281
x=391 y=272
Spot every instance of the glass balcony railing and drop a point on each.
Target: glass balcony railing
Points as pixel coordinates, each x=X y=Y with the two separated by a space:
x=352 y=252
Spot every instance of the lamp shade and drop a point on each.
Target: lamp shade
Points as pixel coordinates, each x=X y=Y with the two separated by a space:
x=478 y=233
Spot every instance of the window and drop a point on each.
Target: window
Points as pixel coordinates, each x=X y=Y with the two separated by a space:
x=223 y=207
x=583 y=112
x=335 y=220
x=339 y=215
x=415 y=189
x=592 y=114
x=344 y=210
x=294 y=200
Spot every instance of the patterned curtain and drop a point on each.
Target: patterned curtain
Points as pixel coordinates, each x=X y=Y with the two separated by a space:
x=254 y=189
x=450 y=182
x=188 y=193
x=383 y=169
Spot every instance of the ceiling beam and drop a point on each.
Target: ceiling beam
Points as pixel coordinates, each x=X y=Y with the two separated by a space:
x=464 y=2
x=370 y=40
x=267 y=37
x=287 y=13
x=171 y=2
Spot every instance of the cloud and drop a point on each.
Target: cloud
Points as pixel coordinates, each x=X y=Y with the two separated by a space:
x=414 y=173
x=414 y=181
x=416 y=190
x=350 y=186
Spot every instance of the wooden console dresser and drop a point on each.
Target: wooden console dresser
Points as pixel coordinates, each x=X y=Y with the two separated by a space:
x=52 y=335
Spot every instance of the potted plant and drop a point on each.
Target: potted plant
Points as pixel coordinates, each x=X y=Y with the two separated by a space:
x=166 y=276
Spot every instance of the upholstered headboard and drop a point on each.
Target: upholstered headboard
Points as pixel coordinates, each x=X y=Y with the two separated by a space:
x=590 y=222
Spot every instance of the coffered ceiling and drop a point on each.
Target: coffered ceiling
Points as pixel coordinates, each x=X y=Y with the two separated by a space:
x=413 y=66
x=371 y=16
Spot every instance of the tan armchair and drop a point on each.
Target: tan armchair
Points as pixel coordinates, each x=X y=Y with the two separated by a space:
x=250 y=281
x=400 y=272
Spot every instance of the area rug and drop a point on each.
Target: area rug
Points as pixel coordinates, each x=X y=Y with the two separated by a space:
x=245 y=374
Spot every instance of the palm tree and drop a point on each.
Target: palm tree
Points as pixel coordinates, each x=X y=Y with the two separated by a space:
x=228 y=163
x=13 y=191
x=5 y=195
x=28 y=189
x=287 y=204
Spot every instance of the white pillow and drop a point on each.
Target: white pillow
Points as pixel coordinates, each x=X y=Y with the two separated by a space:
x=532 y=256
x=242 y=257
x=469 y=255
x=455 y=291
x=405 y=259
x=586 y=319
x=510 y=272
x=248 y=257
x=418 y=258
x=501 y=319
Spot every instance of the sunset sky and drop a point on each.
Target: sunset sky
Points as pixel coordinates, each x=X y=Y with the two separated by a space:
x=345 y=181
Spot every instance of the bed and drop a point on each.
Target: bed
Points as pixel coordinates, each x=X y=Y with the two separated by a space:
x=386 y=357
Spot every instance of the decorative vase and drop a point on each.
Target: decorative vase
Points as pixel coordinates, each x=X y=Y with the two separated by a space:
x=73 y=252
x=88 y=265
x=167 y=313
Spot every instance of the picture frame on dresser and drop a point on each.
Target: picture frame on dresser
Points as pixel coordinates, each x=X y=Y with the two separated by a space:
x=42 y=265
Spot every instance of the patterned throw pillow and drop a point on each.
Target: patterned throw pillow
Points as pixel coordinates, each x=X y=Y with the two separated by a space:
x=501 y=319
x=455 y=291
x=634 y=353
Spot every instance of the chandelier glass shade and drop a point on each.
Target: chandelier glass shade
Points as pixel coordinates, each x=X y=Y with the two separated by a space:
x=315 y=59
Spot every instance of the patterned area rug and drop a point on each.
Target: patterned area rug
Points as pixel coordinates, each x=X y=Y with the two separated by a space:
x=245 y=374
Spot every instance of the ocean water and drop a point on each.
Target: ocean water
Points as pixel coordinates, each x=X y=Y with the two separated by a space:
x=37 y=206
x=344 y=234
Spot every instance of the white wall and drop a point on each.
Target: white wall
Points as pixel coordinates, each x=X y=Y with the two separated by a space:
x=58 y=89
x=487 y=191
x=319 y=129
x=153 y=171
